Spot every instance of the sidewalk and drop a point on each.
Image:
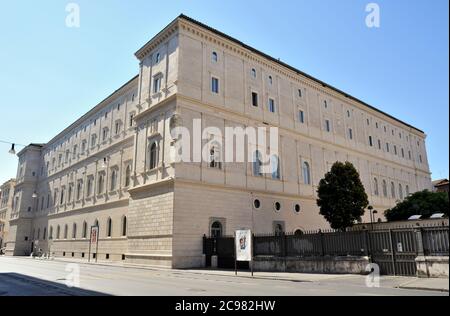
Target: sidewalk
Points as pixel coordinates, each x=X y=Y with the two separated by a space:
x=411 y=283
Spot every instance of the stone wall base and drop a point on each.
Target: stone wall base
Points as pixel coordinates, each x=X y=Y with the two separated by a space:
x=432 y=267
x=327 y=265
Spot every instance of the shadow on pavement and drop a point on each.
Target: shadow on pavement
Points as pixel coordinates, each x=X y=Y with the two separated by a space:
x=13 y=284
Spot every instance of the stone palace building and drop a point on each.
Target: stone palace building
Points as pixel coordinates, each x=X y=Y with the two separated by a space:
x=114 y=166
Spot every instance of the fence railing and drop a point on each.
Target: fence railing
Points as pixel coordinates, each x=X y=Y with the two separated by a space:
x=435 y=242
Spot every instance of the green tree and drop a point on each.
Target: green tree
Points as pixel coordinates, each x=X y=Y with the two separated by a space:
x=423 y=203
x=341 y=196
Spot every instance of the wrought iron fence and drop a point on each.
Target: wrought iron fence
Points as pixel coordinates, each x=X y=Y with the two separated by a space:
x=435 y=241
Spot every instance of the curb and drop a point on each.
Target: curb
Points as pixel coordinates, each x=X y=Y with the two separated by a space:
x=422 y=289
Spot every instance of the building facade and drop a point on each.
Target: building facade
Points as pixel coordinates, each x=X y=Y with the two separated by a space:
x=6 y=204
x=441 y=185
x=116 y=165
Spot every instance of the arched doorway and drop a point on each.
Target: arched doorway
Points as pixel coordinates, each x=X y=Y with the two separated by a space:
x=216 y=229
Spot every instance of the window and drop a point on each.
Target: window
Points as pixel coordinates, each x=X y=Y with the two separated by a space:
x=350 y=133
x=131 y=121
x=278 y=229
x=117 y=127
x=61 y=201
x=124 y=226
x=384 y=188
x=214 y=57
x=128 y=176
x=50 y=235
x=215 y=85
x=257 y=204
x=89 y=186
x=157 y=83
x=375 y=186
x=101 y=183
x=275 y=166
x=301 y=116
x=44 y=237
x=75 y=152
x=42 y=203
x=113 y=180
x=325 y=104
x=387 y=147
x=370 y=141
x=257 y=163
x=297 y=208
x=306 y=173
x=254 y=99
x=395 y=149
x=74 y=231
x=409 y=154
x=420 y=159
x=105 y=134
x=84 y=232
x=407 y=190
x=277 y=206
x=270 y=80
x=403 y=153
x=153 y=156
x=58 y=232
x=393 y=190
x=67 y=156
x=215 y=160
x=379 y=144
x=69 y=196
x=66 y=231
x=216 y=229
x=158 y=58
x=272 y=106
x=300 y=94
x=93 y=140
x=400 y=191
x=348 y=113
x=79 y=190
x=83 y=146
x=368 y=122
x=109 y=227
x=327 y=126
x=253 y=73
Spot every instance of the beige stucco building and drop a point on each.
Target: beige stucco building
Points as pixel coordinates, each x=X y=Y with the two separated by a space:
x=115 y=165
x=6 y=204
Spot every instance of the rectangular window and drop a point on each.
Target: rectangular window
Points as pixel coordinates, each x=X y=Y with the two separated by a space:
x=370 y=141
x=379 y=144
x=350 y=133
x=387 y=147
x=254 y=99
x=157 y=84
x=327 y=126
x=395 y=149
x=215 y=85
x=301 y=116
x=272 y=105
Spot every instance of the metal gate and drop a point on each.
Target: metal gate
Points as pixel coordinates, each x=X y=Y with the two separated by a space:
x=394 y=251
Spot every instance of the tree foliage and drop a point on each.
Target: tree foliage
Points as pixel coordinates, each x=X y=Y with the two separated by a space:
x=423 y=203
x=341 y=196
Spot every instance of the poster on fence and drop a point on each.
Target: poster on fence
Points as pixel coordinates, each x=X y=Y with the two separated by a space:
x=243 y=244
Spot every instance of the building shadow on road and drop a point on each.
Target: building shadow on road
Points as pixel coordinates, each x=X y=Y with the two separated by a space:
x=13 y=284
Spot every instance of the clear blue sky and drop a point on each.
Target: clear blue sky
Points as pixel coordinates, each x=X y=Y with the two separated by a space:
x=50 y=74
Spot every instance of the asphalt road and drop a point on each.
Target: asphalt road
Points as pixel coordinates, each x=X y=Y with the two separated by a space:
x=28 y=277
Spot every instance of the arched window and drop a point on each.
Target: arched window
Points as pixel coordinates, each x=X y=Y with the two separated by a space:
x=128 y=176
x=214 y=57
x=62 y=196
x=400 y=191
x=275 y=166
x=50 y=235
x=407 y=190
x=69 y=196
x=393 y=190
x=384 y=188
x=124 y=226
x=153 y=156
x=84 y=232
x=44 y=237
x=375 y=186
x=253 y=72
x=257 y=163
x=58 y=232
x=109 y=227
x=306 y=173
x=66 y=231
x=216 y=229
x=113 y=180
x=270 y=80
x=74 y=231
x=101 y=183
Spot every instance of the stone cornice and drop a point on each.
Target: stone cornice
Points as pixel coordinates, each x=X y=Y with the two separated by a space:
x=158 y=39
